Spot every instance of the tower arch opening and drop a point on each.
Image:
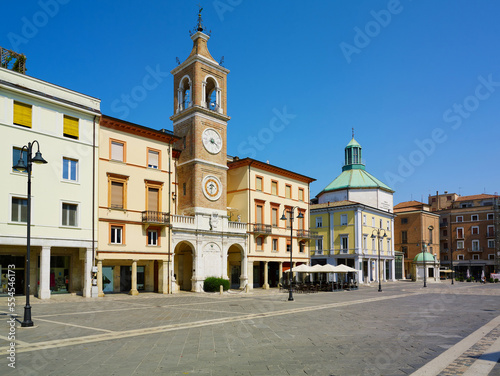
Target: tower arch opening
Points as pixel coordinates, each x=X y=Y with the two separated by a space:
x=184 y=94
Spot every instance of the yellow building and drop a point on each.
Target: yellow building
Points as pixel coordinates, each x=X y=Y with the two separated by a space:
x=259 y=194
x=354 y=220
x=135 y=199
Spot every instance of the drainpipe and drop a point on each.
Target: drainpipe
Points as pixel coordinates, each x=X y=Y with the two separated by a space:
x=93 y=193
x=169 y=290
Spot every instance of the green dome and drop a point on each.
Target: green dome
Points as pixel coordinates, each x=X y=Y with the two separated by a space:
x=420 y=257
x=353 y=143
x=356 y=178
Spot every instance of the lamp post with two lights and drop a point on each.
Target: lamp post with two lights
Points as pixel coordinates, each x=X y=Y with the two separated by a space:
x=290 y=275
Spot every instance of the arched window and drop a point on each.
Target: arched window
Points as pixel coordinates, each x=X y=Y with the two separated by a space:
x=184 y=99
x=212 y=95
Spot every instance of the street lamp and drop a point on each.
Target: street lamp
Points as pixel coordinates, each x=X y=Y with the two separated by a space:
x=21 y=166
x=290 y=274
x=378 y=236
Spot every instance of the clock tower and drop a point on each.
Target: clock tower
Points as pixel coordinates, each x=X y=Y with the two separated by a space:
x=200 y=120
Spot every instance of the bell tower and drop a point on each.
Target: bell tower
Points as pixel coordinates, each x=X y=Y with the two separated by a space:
x=200 y=120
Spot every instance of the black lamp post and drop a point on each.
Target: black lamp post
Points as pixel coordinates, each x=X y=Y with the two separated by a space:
x=290 y=276
x=378 y=237
x=21 y=166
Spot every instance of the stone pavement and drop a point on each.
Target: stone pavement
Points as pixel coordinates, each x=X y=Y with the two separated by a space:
x=406 y=329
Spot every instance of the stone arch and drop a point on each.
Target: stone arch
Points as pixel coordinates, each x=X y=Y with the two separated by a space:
x=183 y=265
x=212 y=94
x=235 y=266
x=184 y=93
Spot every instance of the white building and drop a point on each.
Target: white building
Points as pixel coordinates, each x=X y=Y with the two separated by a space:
x=65 y=124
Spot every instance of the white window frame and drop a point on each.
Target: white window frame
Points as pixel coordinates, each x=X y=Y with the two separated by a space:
x=491 y=243
x=113 y=227
x=460 y=244
x=150 y=151
x=461 y=218
x=274 y=243
x=364 y=219
x=319 y=222
x=475 y=257
x=365 y=241
x=474 y=228
x=388 y=226
x=475 y=245
x=77 y=219
x=474 y=217
x=490 y=216
x=373 y=221
x=463 y=233
x=153 y=242
x=343 y=220
x=460 y=257
x=21 y=197
x=488 y=230
x=123 y=150
x=342 y=248
x=319 y=244
x=388 y=245
x=491 y=256
x=69 y=180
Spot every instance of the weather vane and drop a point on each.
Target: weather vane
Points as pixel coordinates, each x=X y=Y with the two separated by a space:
x=199 y=26
x=352 y=132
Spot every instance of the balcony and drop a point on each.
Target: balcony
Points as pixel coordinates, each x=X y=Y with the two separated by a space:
x=443 y=224
x=155 y=218
x=259 y=228
x=475 y=249
x=306 y=234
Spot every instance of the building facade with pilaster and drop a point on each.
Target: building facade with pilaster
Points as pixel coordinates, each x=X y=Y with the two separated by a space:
x=65 y=125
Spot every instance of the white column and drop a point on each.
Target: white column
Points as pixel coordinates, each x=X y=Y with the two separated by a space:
x=224 y=262
x=280 y=272
x=219 y=101
x=164 y=275
x=133 y=290
x=244 y=270
x=266 y=276
x=87 y=278
x=179 y=99
x=44 y=289
x=250 y=274
x=393 y=269
x=203 y=94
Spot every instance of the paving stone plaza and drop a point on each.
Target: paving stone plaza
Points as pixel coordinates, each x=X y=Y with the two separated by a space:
x=403 y=330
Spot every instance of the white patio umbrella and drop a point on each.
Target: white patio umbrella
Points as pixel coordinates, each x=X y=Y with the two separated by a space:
x=328 y=268
x=344 y=269
x=300 y=268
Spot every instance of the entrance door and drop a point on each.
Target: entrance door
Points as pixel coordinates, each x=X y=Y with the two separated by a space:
x=125 y=278
x=235 y=276
x=19 y=265
x=107 y=279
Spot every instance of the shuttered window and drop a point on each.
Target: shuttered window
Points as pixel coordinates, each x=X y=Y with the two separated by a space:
x=153 y=194
x=288 y=191
x=274 y=188
x=117 y=151
x=70 y=127
x=259 y=213
x=117 y=195
x=153 y=157
x=22 y=114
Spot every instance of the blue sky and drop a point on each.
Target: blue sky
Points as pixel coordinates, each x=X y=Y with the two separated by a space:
x=419 y=81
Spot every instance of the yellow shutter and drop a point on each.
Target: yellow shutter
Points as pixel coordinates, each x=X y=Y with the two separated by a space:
x=22 y=114
x=70 y=127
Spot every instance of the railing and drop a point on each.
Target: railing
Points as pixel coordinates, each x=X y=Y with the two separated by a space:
x=318 y=252
x=183 y=219
x=473 y=249
x=306 y=234
x=149 y=216
x=237 y=226
x=12 y=60
x=261 y=228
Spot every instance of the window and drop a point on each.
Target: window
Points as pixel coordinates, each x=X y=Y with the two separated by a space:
x=474 y=217
x=380 y=224
x=460 y=232
x=288 y=246
x=184 y=189
x=404 y=221
x=389 y=245
x=288 y=191
x=319 y=245
x=69 y=214
x=274 y=188
x=373 y=221
x=70 y=127
x=22 y=114
x=153 y=198
x=490 y=231
x=301 y=247
x=460 y=244
x=474 y=230
x=365 y=242
x=301 y=194
x=274 y=217
x=459 y=218
x=445 y=245
x=489 y=216
x=475 y=245
x=445 y=220
x=405 y=251
x=388 y=228
x=258 y=183
x=373 y=243
x=153 y=158
x=445 y=232
x=258 y=214
x=475 y=257
x=491 y=256
x=491 y=243
x=344 y=244
x=460 y=257
x=364 y=219
x=258 y=243
x=288 y=222
x=16 y=155
x=70 y=169
x=445 y=257
x=448 y=198
x=19 y=210
x=153 y=237
x=117 y=191
x=404 y=237
x=319 y=222
x=116 y=235
x=117 y=151
x=343 y=219
x=275 y=245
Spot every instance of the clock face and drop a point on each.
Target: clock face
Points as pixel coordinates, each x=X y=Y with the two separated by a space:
x=212 y=187
x=212 y=140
